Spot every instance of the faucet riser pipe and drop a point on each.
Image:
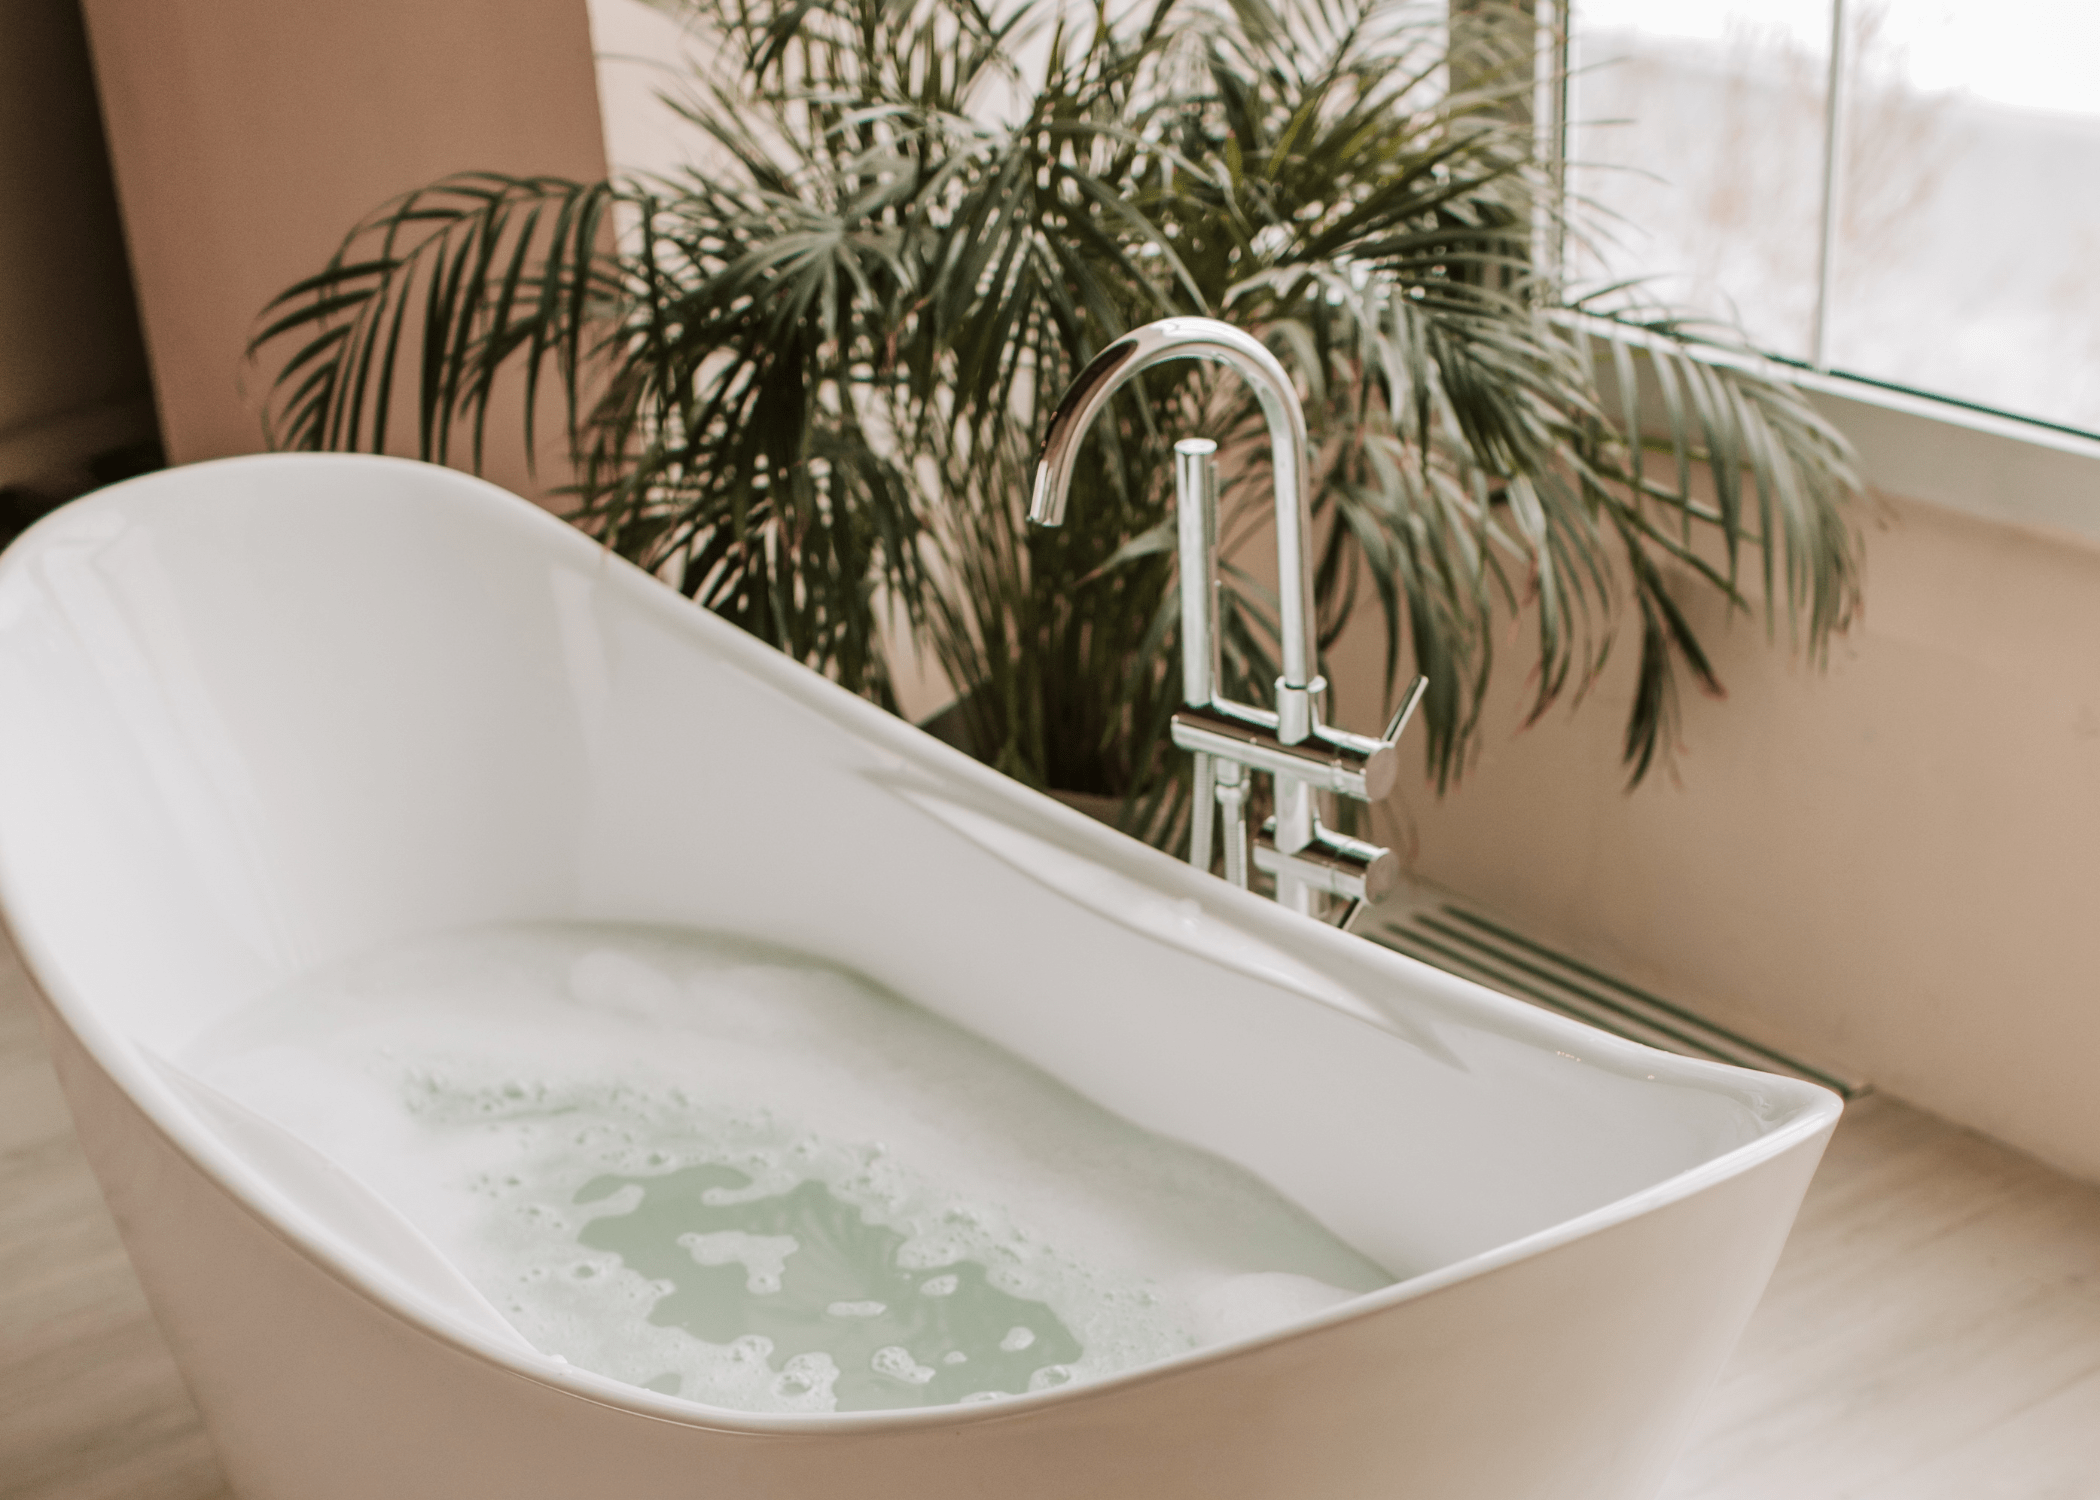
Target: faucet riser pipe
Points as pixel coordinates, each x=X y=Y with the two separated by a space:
x=1294 y=831
x=1203 y=812
x=1232 y=811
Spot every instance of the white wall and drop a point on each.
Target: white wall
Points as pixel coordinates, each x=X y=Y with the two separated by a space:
x=641 y=55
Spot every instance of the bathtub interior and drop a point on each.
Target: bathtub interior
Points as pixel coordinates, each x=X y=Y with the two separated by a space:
x=265 y=715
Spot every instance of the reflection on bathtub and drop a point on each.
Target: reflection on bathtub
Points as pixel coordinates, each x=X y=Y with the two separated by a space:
x=758 y=1181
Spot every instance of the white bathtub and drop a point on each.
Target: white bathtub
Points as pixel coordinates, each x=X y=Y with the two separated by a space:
x=260 y=715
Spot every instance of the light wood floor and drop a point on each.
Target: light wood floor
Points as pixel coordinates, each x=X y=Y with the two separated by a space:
x=1933 y=1332
x=90 y=1405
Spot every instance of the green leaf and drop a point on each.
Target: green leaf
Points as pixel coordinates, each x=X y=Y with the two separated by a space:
x=806 y=384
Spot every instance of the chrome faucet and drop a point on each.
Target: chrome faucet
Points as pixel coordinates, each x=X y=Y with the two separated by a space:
x=1228 y=739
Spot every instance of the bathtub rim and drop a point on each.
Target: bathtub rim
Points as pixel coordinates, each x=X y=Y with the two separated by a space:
x=1795 y=1113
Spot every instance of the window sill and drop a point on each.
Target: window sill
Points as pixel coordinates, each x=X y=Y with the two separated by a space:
x=1992 y=467
x=1978 y=463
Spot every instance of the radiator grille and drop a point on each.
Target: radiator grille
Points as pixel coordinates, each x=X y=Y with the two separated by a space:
x=1442 y=932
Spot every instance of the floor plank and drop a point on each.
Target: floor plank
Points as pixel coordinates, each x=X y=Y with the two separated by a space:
x=91 y=1406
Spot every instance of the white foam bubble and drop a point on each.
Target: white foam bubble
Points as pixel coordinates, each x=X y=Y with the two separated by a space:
x=1239 y=1306
x=896 y=1362
x=481 y=1081
x=763 y=1256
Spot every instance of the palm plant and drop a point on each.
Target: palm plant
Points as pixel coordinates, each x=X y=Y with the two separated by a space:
x=804 y=380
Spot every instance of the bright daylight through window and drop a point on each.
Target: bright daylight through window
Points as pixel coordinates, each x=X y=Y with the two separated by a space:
x=1965 y=182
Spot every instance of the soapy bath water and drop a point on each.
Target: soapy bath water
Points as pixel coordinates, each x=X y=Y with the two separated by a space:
x=758 y=1181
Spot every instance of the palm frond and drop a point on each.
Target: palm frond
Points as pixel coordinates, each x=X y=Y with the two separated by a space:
x=804 y=380
x=474 y=269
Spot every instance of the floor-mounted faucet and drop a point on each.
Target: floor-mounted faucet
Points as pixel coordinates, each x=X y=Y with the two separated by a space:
x=1231 y=740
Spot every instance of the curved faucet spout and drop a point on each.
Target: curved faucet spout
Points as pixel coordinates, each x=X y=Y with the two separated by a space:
x=1208 y=339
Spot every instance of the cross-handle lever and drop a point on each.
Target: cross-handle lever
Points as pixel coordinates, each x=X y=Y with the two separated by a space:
x=1354 y=869
x=1230 y=739
x=1408 y=704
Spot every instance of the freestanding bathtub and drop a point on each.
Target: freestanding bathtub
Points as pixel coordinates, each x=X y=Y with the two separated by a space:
x=263 y=714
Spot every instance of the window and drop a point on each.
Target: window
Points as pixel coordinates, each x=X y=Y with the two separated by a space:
x=1938 y=229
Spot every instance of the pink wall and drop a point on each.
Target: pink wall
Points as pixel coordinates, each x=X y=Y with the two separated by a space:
x=1893 y=866
x=248 y=135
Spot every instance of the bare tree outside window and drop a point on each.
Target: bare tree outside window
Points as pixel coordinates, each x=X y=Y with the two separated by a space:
x=1968 y=181
x=1696 y=157
x=1972 y=212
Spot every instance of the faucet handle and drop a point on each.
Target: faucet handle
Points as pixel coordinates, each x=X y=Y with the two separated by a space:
x=1330 y=760
x=1406 y=710
x=1354 y=869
